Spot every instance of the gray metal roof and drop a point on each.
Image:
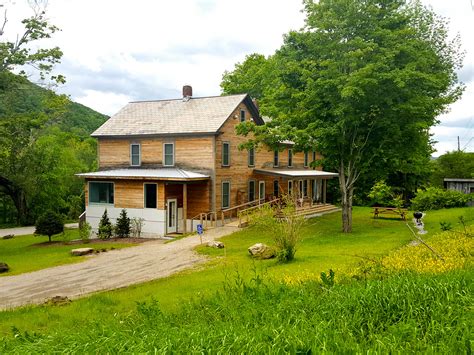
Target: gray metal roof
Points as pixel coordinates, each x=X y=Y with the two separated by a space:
x=175 y=174
x=179 y=116
x=296 y=173
x=458 y=180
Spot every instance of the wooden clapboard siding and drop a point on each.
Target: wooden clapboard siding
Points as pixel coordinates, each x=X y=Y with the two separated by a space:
x=128 y=194
x=161 y=202
x=199 y=198
x=190 y=152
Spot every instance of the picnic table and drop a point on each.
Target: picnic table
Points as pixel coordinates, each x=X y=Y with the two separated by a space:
x=402 y=212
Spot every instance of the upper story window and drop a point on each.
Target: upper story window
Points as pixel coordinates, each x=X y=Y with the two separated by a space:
x=150 y=195
x=306 y=159
x=290 y=157
x=168 y=154
x=314 y=155
x=225 y=194
x=252 y=157
x=101 y=192
x=242 y=115
x=225 y=154
x=135 y=156
x=276 y=160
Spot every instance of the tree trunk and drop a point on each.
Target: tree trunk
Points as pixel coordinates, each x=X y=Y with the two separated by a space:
x=19 y=200
x=347 y=192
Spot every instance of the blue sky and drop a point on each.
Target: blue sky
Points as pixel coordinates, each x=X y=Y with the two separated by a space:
x=119 y=51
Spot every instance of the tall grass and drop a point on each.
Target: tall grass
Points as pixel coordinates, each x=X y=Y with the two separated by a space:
x=407 y=312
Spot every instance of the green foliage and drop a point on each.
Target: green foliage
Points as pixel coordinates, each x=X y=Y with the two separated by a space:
x=105 y=227
x=404 y=313
x=328 y=280
x=49 y=223
x=122 y=226
x=284 y=224
x=458 y=165
x=85 y=231
x=434 y=198
x=445 y=226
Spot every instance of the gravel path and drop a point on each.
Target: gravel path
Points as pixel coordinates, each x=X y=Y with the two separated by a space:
x=106 y=271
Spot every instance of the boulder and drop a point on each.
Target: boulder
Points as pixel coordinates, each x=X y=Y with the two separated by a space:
x=262 y=251
x=81 y=251
x=4 y=267
x=8 y=236
x=217 y=245
x=57 y=301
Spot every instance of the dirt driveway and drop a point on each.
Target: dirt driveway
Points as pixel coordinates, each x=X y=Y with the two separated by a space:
x=105 y=271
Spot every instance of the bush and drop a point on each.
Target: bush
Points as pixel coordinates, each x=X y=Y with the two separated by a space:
x=137 y=226
x=122 y=228
x=434 y=198
x=105 y=227
x=85 y=232
x=49 y=223
x=382 y=195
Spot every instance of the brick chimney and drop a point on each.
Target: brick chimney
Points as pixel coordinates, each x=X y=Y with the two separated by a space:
x=187 y=91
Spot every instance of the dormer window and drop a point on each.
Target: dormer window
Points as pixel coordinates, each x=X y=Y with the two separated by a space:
x=135 y=156
x=242 y=115
x=168 y=154
x=290 y=157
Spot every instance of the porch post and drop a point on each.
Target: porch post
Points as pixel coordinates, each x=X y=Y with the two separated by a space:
x=185 y=207
x=325 y=183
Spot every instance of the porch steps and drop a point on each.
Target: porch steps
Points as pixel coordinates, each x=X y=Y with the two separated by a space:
x=318 y=210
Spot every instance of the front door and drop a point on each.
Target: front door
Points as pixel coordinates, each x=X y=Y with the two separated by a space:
x=172 y=215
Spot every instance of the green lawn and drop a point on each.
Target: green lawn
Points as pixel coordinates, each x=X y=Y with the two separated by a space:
x=29 y=253
x=323 y=246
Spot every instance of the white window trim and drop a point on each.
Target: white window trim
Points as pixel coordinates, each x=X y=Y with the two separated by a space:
x=248 y=158
x=242 y=119
x=164 y=154
x=277 y=152
x=222 y=194
x=254 y=190
x=260 y=183
x=222 y=159
x=89 y=193
x=290 y=161
x=139 y=154
x=144 y=195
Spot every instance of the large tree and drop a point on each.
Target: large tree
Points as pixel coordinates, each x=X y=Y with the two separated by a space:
x=363 y=82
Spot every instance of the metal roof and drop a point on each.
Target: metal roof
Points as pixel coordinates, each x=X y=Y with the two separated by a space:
x=174 y=174
x=178 y=116
x=458 y=180
x=296 y=173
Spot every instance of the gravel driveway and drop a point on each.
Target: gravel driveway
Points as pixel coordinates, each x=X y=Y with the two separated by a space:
x=106 y=271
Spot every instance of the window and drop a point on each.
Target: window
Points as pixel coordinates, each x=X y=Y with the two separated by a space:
x=305 y=188
x=225 y=154
x=226 y=194
x=276 y=161
x=290 y=187
x=168 y=154
x=242 y=116
x=101 y=192
x=314 y=158
x=290 y=157
x=251 y=190
x=252 y=157
x=306 y=158
x=275 y=188
x=150 y=195
x=261 y=190
x=135 y=159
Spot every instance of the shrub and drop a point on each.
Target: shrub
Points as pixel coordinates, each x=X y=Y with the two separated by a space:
x=49 y=223
x=122 y=228
x=85 y=232
x=137 y=226
x=284 y=224
x=382 y=195
x=105 y=227
x=434 y=198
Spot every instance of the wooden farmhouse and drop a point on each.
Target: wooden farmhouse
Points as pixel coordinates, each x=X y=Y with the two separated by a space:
x=177 y=162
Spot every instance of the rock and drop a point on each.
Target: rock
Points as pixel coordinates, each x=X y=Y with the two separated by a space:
x=8 y=236
x=4 y=267
x=81 y=251
x=262 y=251
x=58 y=300
x=217 y=245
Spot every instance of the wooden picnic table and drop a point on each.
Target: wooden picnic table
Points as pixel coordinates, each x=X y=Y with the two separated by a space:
x=402 y=212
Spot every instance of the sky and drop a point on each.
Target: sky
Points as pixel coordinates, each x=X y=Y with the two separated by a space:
x=117 y=51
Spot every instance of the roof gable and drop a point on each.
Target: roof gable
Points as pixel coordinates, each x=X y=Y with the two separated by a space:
x=204 y=115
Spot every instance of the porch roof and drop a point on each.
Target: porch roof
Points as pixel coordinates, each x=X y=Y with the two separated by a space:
x=296 y=173
x=172 y=174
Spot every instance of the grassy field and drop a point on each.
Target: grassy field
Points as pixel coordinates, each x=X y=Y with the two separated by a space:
x=323 y=246
x=29 y=253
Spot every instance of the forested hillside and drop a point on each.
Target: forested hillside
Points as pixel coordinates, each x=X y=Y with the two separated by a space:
x=44 y=141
